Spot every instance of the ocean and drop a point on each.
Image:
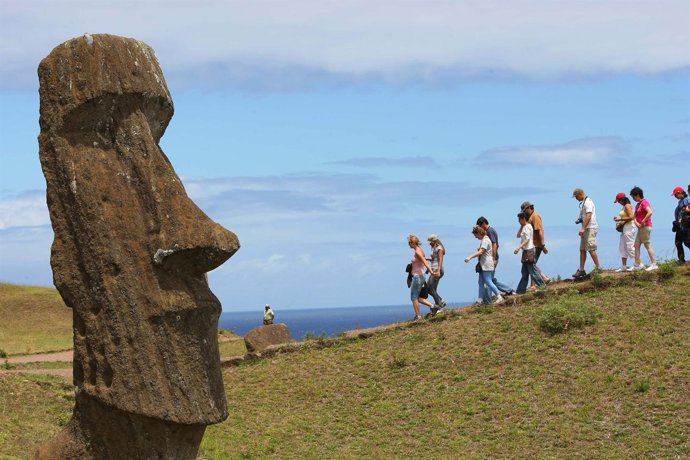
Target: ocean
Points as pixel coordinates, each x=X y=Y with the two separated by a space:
x=327 y=321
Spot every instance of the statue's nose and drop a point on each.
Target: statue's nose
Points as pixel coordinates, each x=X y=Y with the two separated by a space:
x=202 y=251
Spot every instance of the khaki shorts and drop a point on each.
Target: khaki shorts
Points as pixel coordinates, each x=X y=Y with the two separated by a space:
x=644 y=235
x=588 y=240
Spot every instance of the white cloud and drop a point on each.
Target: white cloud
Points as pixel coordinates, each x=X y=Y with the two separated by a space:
x=578 y=153
x=24 y=210
x=301 y=42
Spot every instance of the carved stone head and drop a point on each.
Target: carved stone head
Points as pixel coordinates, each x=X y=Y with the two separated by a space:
x=131 y=249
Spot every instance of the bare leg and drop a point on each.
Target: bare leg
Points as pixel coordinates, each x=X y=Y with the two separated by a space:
x=638 y=256
x=595 y=259
x=583 y=258
x=415 y=305
x=426 y=302
x=650 y=251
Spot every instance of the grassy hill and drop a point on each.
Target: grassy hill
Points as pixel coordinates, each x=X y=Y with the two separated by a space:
x=33 y=320
x=486 y=383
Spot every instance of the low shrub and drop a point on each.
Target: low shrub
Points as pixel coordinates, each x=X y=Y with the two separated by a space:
x=667 y=270
x=641 y=386
x=567 y=312
x=398 y=362
x=3 y=354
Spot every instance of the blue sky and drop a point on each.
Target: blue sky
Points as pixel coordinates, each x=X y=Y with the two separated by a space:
x=323 y=133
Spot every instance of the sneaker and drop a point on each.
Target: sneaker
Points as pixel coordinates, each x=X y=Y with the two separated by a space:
x=434 y=309
x=499 y=299
x=579 y=274
x=623 y=268
x=417 y=318
x=443 y=304
x=652 y=267
x=637 y=267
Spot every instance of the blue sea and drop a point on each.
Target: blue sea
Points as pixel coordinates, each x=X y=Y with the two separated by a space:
x=327 y=321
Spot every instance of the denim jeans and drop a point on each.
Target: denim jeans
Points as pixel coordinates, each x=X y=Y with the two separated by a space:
x=501 y=287
x=416 y=288
x=432 y=286
x=487 y=286
x=527 y=271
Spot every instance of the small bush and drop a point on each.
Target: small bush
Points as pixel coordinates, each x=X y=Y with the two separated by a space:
x=3 y=354
x=642 y=386
x=596 y=279
x=667 y=270
x=565 y=313
x=398 y=362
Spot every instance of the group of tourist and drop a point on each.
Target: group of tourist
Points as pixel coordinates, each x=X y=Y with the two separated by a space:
x=634 y=225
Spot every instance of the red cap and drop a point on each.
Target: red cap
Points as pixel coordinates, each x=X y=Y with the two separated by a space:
x=619 y=196
x=678 y=190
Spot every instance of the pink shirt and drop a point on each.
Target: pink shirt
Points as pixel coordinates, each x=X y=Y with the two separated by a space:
x=417 y=265
x=641 y=210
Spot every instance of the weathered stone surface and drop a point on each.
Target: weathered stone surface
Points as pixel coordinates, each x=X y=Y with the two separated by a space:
x=260 y=338
x=129 y=257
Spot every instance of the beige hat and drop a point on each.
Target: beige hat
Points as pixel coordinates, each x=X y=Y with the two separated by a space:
x=432 y=237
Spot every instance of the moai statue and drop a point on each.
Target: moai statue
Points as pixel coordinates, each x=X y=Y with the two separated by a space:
x=130 y=257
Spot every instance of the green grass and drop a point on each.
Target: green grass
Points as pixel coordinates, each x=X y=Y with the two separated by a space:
x=34 y=320
x=569 y=311
x=232 y=348
x=470 y=386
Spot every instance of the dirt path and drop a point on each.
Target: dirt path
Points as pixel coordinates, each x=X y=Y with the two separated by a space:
x=41 y=357
x=65 y=356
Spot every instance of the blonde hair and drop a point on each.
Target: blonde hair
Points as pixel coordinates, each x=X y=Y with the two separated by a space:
x=414 y=239
x=478 y=231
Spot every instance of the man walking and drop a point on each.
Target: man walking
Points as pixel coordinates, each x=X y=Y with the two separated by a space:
x=493 y=236
x=539 y=239
x=681 y=224
x=588 y=231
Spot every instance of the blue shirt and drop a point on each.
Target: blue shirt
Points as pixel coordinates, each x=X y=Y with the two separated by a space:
x=681 y=204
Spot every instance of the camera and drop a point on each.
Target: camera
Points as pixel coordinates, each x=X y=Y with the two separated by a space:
x=578 y=221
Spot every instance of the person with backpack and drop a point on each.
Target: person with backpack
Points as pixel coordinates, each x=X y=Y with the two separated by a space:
x=681 y=222
x=417 y=266
x=527 y=246
x=491 y=232
x=534 y=219
x=486 y=264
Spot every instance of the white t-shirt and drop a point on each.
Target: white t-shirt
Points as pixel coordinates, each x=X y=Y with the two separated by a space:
x=527 y=234
x=587 y=207
x=486 y=260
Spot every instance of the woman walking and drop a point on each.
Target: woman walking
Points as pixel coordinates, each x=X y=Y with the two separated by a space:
x=643 y=222
x=486 y=263
x=438 y=252
x=624 y=224
x=418 y=264
x=526 y=234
